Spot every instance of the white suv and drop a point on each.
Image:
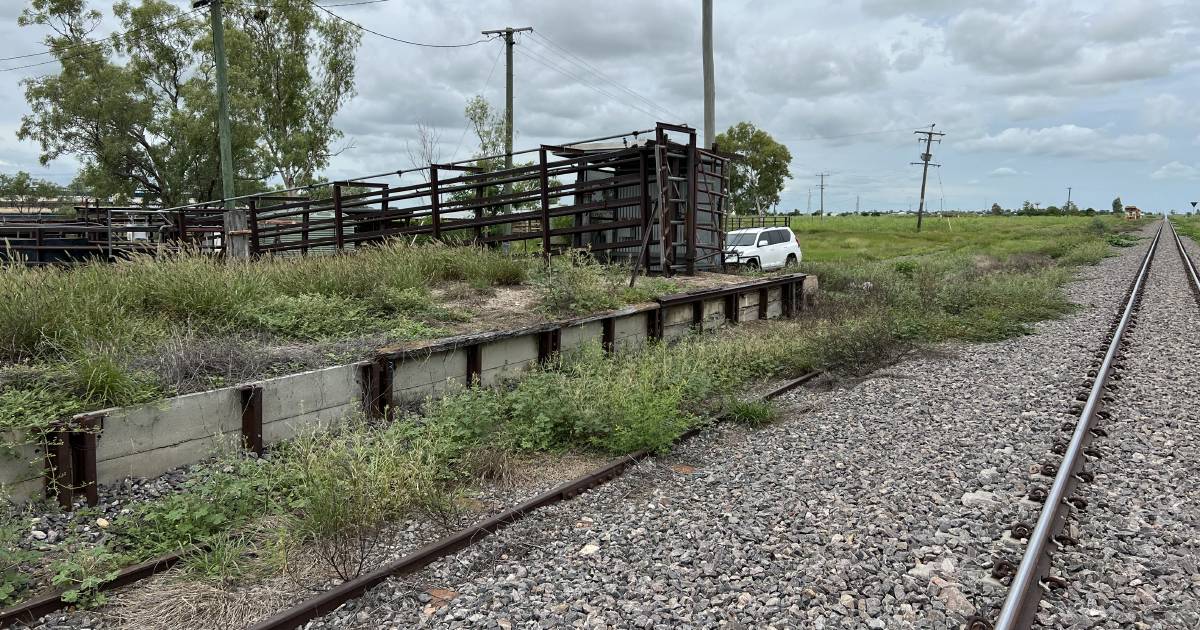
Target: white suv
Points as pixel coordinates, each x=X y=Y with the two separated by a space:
x=759 y=248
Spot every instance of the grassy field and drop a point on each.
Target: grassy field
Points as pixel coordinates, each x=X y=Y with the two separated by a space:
x=885 y=290
x=866 y=238
x=1187 y=225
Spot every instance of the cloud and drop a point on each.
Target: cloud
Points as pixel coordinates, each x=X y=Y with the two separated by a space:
x=999 y=43
x=893 y=8
x=1167 y=110
x=1070 y=141
x=1176 y=170
x=1120 y=22
x=1003 y=171
x=1024 y=107
x=815 y=64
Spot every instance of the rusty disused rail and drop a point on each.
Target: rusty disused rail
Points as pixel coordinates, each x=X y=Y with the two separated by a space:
x=1025 y=590
x=330 y=600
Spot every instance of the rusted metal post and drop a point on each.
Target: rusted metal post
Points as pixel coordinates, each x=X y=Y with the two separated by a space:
x=608 y=335
x=305 y=233
x=644 y=170
x=338 y=234
x=693 y=163
x=549 y=343
x=764 y=299
x=85 y=448
x=435 y=202
x=544 y=182
x=60 y=467
x=375 y=378
x=252 y=208
x=480 y=192
x=474 y=364
x=732 y=312
x=252 y=418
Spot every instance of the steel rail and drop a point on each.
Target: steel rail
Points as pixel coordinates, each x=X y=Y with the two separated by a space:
x=328 y=601
x=1020 y=605
x=1187 y=262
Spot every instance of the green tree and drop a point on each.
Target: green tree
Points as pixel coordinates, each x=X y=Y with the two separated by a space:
x=24 y=191
x=1117 y=206
x=139 y=110
x=488 y=125
x=996 y=209
x=760 y=166
x=300 y=64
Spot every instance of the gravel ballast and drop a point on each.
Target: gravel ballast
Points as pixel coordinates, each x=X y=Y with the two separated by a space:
x=1137 y=564
x=877 y=504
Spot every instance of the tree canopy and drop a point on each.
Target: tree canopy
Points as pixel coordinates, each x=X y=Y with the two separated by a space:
x=138 y=109
x=1117 y=206
x=22 y=190
x=760 y=166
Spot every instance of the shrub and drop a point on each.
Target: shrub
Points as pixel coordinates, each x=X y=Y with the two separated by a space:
x=312 y=316
x=753 y=413
x=13 y=576
x=576 y=283
x=82 y=573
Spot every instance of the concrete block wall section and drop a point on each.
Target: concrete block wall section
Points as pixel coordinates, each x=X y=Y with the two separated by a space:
x=149 y=440
x=21 y=467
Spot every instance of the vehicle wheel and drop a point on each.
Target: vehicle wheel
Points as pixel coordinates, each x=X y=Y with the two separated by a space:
x=791 y=263
x=752 y=264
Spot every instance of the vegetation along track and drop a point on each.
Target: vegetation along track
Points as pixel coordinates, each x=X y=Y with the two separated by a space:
x=324 y=602
x=328 y=601
x=1033 y=576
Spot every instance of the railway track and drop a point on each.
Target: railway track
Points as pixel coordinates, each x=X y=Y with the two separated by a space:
x=39 y=606
x=1027 y=581
x=1032 y=577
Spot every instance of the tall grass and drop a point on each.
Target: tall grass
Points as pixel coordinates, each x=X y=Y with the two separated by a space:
x=88 y=324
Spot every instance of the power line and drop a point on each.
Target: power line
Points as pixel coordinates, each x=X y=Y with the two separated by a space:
x=395 y=39
x=163 y=24
x=354 y=4
x=582 y=81
x=92 y=42
x=589 y=67
x=486 y=83
x=845 y=135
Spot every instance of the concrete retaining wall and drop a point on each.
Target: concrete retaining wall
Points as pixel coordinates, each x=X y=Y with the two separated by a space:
x=151 y=439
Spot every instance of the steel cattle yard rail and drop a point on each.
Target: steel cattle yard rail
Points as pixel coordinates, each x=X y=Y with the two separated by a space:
x=1025 y=591
x=658 y=203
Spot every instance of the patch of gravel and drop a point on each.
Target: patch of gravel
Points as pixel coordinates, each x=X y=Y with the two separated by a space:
x=873 y=504
x=1137 y=564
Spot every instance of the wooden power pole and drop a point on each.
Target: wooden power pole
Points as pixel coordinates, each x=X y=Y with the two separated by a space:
x=507 y=32
x=508 y=87
x=710 y=88
x=926 y=156
x=237 y=228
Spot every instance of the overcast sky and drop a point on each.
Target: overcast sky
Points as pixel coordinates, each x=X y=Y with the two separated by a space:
x=1033 y=96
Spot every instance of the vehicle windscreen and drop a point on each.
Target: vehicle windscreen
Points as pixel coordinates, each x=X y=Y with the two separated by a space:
x=740 y=239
